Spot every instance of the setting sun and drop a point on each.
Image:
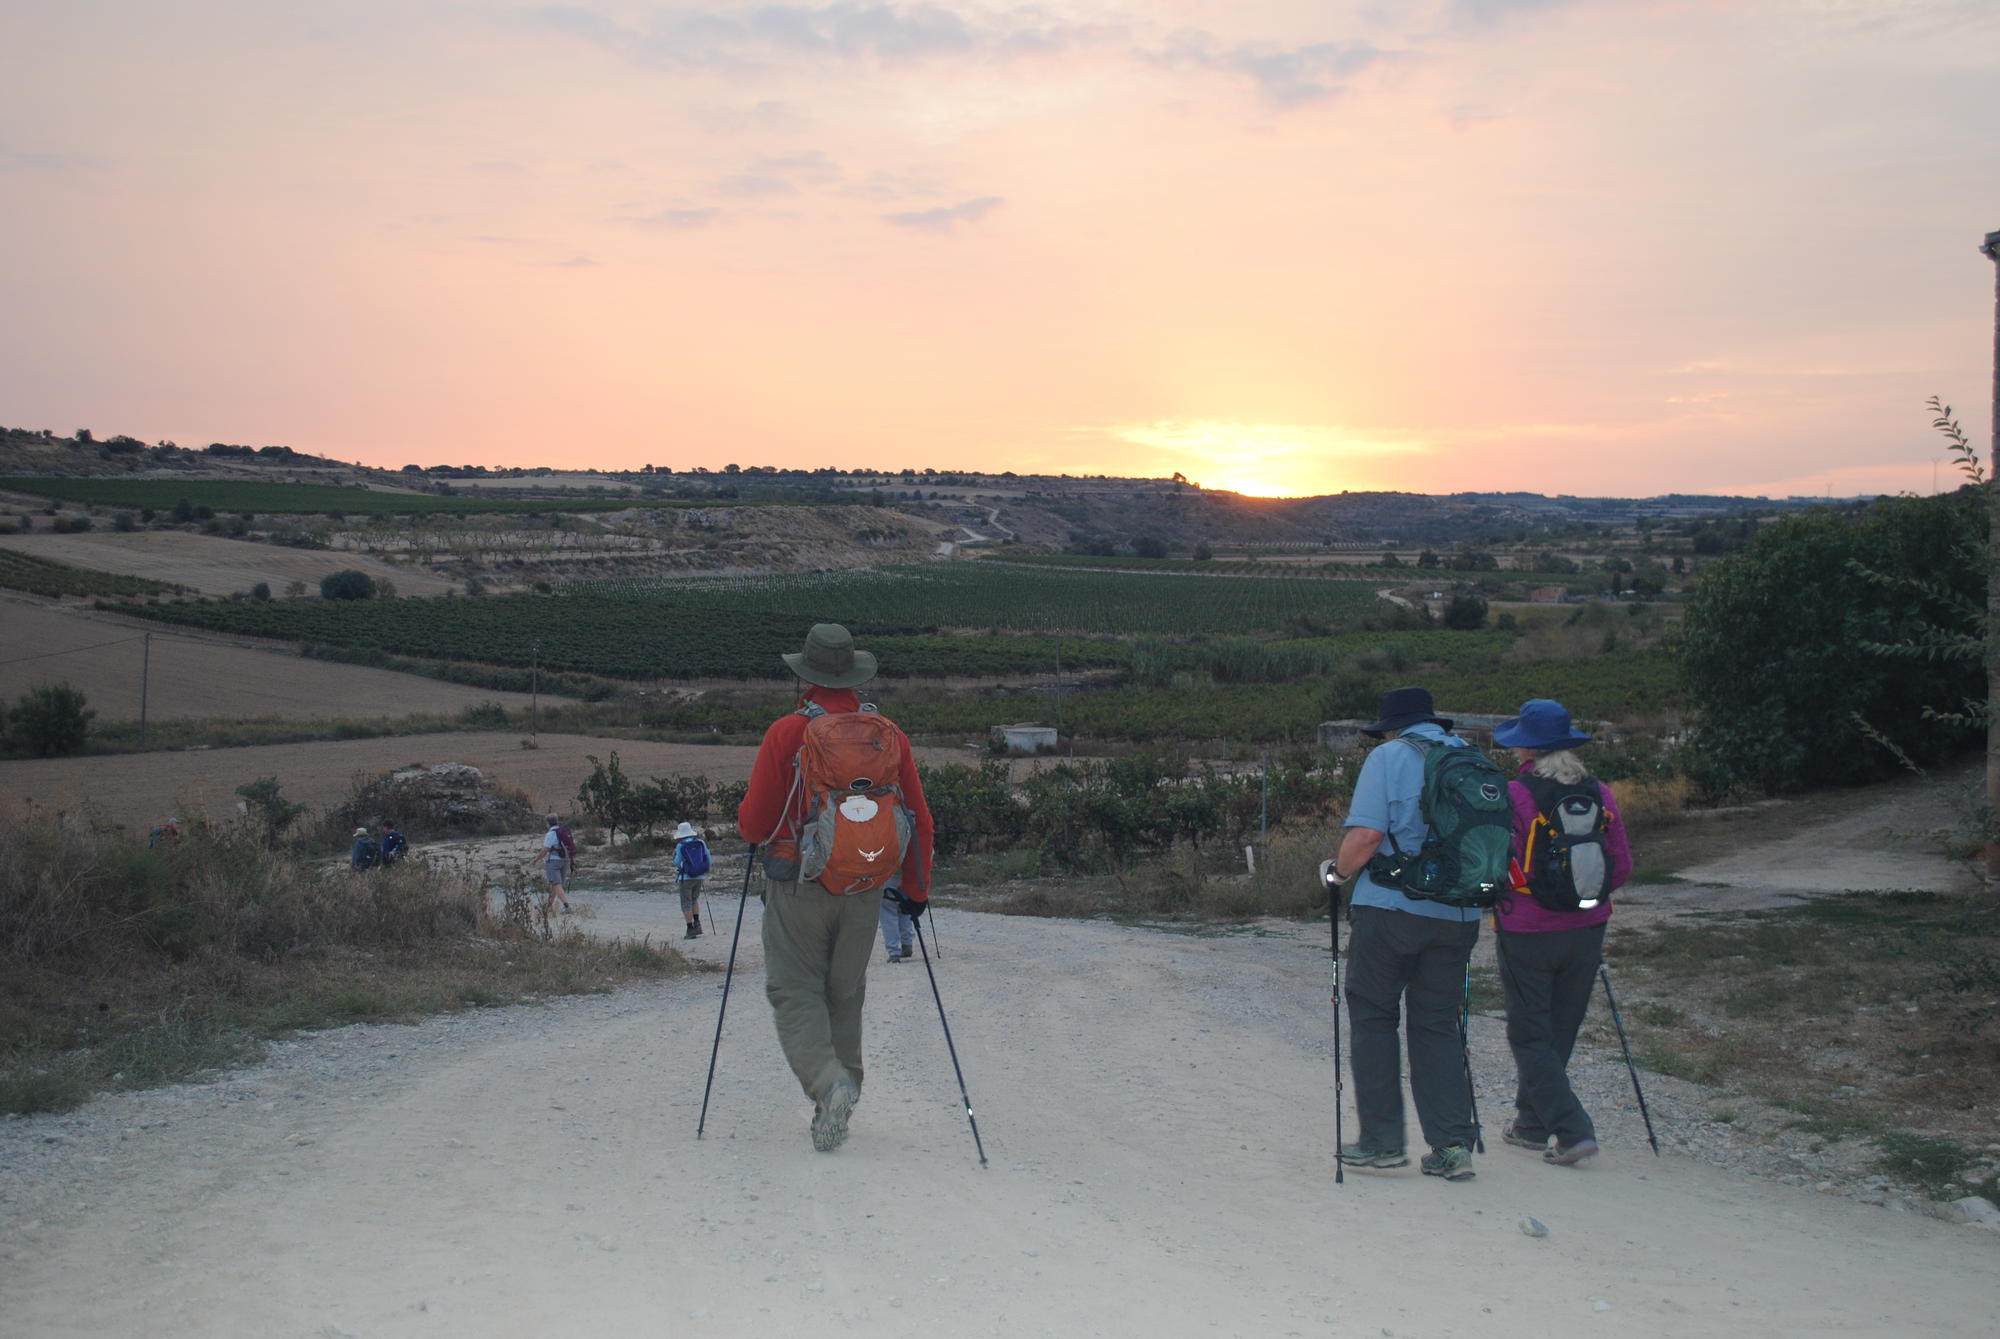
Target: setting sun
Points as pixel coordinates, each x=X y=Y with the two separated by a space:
x=1262 y=459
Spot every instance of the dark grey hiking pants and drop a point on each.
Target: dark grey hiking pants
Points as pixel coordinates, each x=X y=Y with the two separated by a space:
x=1547 y=978
x=1396 y=959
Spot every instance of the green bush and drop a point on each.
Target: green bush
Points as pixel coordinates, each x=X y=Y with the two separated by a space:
x=347 y=584
x=1775 y=655
x=49 y=720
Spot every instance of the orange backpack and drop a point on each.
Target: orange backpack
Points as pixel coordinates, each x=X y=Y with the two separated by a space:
x=856 y=829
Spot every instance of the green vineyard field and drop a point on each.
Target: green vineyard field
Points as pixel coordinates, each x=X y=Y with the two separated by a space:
x=1020 y=599
x=44 y=576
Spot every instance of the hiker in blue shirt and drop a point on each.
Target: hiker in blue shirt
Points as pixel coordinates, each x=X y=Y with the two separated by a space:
x=1404 y=948
x=365 y=852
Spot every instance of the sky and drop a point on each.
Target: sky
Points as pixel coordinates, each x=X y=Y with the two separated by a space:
x=1282 y=246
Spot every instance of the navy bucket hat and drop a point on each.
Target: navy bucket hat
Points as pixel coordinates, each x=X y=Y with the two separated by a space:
x=1401 y=708
x=1542 y=724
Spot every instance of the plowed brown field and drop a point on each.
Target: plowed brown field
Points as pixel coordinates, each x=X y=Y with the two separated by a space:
x=137 y=790
x=193 y=677
x=214 y=566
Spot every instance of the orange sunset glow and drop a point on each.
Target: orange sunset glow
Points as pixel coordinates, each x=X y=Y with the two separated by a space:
x=1283 y=247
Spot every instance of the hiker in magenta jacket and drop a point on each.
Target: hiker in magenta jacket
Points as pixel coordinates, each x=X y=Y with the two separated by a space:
x=1548 y=959
x=817 y=945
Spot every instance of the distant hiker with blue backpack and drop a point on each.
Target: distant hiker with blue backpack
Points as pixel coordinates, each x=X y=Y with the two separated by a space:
x=691 y=864
x=838 y=808
x=1570 y=854
x=1426 y=844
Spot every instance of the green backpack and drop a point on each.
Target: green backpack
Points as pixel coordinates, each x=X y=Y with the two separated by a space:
x=1463 y=862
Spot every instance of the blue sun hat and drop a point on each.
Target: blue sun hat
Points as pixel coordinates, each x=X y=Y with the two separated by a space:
x=1542 y=724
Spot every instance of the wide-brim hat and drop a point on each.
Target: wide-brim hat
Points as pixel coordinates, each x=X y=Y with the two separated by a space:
x=830 y=660
x=361 y=832
x=684 y=831
x=1542 y=724
x=1401 y=708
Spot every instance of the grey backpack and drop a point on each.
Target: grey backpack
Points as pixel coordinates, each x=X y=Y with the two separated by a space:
x=1567 y=864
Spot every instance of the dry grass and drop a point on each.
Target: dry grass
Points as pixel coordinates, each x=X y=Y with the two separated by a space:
x=125 y=966
x=1868 y=1014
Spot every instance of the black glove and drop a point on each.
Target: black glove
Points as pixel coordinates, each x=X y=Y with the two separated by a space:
x=909 y=906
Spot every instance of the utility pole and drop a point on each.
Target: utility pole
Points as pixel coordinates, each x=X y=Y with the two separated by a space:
x=535 y=691
x=1990 y=248
x=145 y=674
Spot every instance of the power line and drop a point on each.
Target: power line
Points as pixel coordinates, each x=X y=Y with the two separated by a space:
x=74 y=650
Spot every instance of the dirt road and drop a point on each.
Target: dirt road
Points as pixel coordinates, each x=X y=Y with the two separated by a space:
x=1156 y=1112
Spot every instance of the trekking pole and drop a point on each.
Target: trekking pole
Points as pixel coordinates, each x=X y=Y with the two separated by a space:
x=1604 y=975
x=965 y=1096
x=1339 y=1079
x=1465 y=1049
x=729 y=975
x=936 y=938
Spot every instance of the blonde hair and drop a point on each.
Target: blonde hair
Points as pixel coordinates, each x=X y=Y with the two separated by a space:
x=1560 y=766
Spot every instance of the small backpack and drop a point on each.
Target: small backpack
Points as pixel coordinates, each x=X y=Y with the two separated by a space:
x=691 y=860
x=1568 y=868
x=366 y=853
x=1463 y=861
x=856 y=828
x=393 y=847
x=567 y=840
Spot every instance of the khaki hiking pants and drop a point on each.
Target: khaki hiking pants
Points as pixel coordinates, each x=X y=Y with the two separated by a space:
x=816 y=950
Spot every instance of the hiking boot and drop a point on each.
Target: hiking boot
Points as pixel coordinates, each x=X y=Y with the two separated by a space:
x=897 y=957
x=1512 y=1134
x=693 y=931
x=1371 y=1155
x=1453 y=1162
x=696 y=923
x=1569 y=1155
x=830 y=1113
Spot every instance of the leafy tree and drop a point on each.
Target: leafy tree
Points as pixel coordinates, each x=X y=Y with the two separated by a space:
x=1202 y=552
x=1427 y=559
x=1776 y=645
x=263 y=802
x=1465 y=612
x=49 y=720
x=347 y=584
x=1150 y=546
x=607 y=795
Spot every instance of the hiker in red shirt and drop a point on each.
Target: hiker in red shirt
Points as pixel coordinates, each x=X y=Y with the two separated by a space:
x=817 y=942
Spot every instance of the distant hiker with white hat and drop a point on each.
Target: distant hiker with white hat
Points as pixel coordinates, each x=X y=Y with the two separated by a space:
x=690 y=874
x=365 y=852
x=836 y=804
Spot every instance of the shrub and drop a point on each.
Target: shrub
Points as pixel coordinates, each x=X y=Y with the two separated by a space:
x=1465 y=612
x=261 y=591
x=347 y=584
x=49 y=720
x=1774 y=645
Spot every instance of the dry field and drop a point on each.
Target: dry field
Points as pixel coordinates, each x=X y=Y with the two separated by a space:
x=214 y=566
x=137 y=790
x=196 y=677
